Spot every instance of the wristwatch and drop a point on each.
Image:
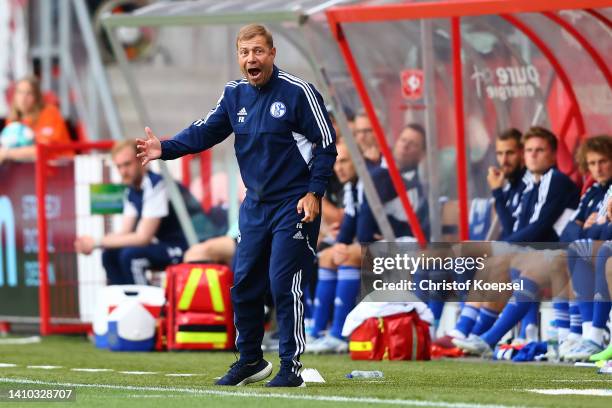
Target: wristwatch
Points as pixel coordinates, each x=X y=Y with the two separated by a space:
x=314 y=193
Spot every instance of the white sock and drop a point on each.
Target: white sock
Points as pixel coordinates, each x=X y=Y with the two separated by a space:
x=596 y=335
x=457 y=334
x=574 y=336
x=531 y=332
x=563 y=333
x=586 y=329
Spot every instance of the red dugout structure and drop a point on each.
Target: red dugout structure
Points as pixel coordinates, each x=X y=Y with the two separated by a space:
x=548 y=64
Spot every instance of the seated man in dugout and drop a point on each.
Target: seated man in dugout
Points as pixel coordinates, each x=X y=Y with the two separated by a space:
x=339 y=267
x=506 y=184
x=150 y=234
x=586 y=233
x=359 y=222
x=548 y=194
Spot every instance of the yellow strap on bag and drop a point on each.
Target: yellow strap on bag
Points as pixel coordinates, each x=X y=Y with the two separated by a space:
x=201 y=337
x=190 y=288
x=215 y=290
x=360 y=346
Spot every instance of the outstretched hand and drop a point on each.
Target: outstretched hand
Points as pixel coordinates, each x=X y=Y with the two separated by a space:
x=148 y=149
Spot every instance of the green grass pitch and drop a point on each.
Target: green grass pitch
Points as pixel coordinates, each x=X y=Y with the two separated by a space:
x=445 y=383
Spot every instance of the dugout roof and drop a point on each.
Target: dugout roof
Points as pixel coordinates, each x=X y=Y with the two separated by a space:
x=466 y=69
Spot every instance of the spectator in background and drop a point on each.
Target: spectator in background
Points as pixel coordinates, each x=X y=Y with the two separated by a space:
x=13 y=49
x=44 y=121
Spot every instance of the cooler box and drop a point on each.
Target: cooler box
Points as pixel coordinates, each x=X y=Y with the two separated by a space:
x=110 y=297
x=131 y=327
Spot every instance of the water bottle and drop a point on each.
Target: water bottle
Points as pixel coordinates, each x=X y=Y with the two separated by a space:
x=365 y=374
x=552 y=346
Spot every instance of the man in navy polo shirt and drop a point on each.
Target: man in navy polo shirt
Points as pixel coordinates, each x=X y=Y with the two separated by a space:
x=150 y=234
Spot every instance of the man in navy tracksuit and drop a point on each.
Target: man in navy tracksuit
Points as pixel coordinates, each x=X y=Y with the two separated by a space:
x=408 y=151
x=548 y=193
x=285 y=145
x=507 y=183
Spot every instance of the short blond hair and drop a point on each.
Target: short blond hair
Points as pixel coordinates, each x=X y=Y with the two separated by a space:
x=253 y=30
x=542 y=133
x=122 y=144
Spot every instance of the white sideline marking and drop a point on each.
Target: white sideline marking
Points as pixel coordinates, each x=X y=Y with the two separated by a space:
x=244 y=394
x=23 y=340
x=571 y=391
x=583 y=364
x=43 y=367
x=93 y=370
x=138 y=372
x=7 y=365
x=181 y=375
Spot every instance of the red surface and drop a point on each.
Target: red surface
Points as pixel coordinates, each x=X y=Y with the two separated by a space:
x=464 y=229
x=176 y=277
x=454 y=9
x=42 y=179
x=442 y=9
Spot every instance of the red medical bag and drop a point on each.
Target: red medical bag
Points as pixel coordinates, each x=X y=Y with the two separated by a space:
x=199 y=308
x=402 y=336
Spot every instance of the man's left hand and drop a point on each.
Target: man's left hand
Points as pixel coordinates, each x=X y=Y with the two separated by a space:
x=84 y=245
x=309 y=206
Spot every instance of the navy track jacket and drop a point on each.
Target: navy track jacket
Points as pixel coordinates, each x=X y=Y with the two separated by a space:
x=507 y=200
x=542 y=203
x=285 y=143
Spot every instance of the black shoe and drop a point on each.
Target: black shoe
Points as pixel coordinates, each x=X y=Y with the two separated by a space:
x=286 y=378
x=241 y=373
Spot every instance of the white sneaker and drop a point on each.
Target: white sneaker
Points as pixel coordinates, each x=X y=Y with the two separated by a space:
x=270 y=342
x=583 y=351
x=327 y=345
x=567 y=346
x=475 y=346
x=310 y=339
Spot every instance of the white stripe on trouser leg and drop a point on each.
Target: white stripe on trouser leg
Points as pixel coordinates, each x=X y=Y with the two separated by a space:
x=137 y=267
x=293 y=281
x=237 y=333
x=298 y=311
x=310 y=247
x=301 y=316
x=302 y=344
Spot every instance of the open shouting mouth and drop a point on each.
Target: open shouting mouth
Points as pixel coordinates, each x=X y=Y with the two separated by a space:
x=254 y=74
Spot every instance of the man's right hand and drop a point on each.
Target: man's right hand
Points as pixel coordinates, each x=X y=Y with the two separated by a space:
x=495 y=178
x=149 y=149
